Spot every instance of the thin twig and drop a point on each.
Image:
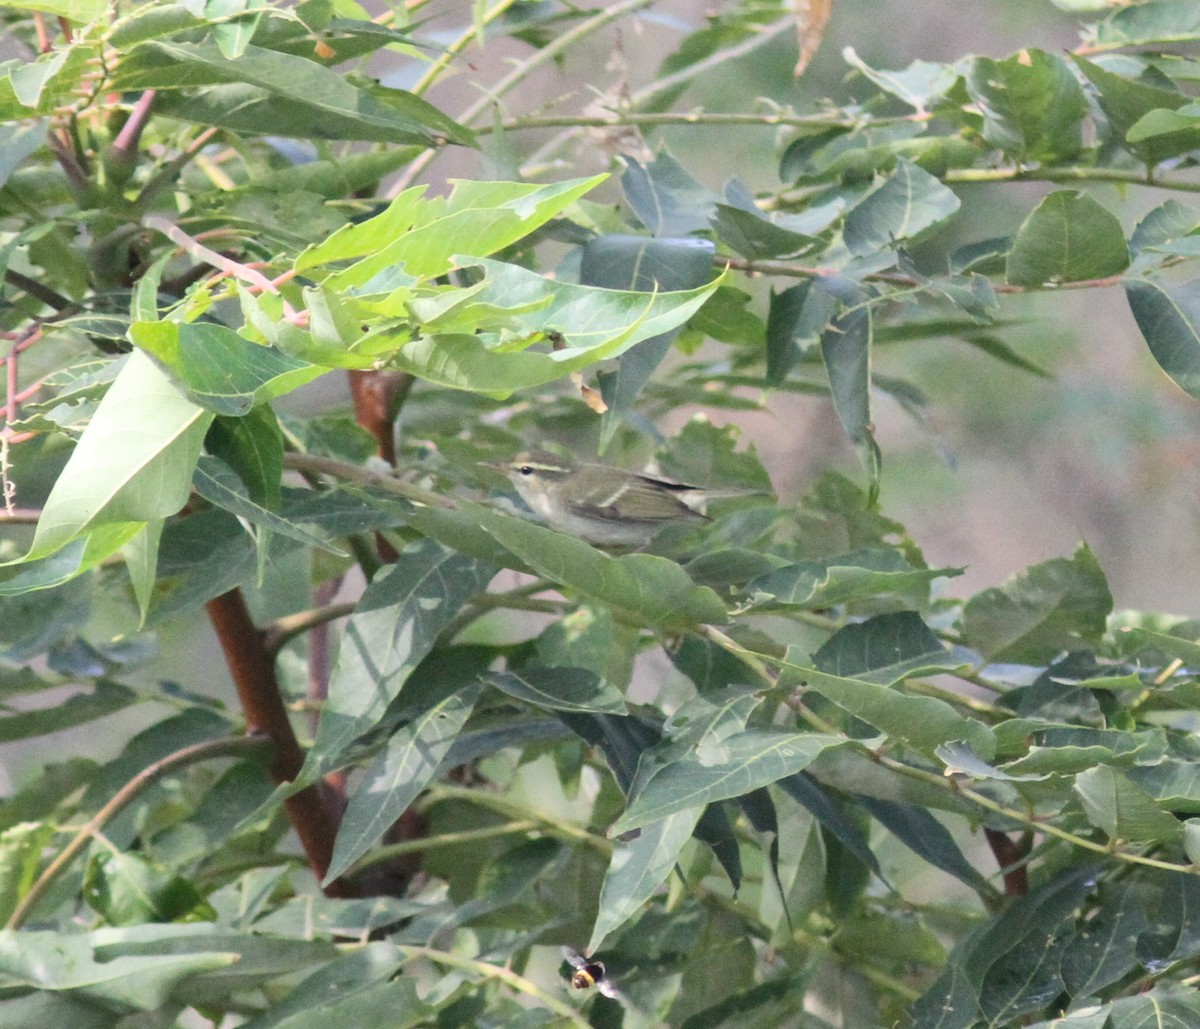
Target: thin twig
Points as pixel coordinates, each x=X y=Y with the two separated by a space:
x=311 y=463
x=231 y=747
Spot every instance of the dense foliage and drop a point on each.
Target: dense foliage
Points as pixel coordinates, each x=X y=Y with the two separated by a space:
x=766 y=769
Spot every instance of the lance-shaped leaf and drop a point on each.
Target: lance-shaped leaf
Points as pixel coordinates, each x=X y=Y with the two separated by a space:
x=477 y=218
x=667 y=200
x=640 y=264
x=394 y=625
x=1169 y=318
x=560 y=689
x=742 y=763
x=219 y=369
x=278 y=86
x=638 y=868
x=398 y=774
x=846 y=350
x=1033 y=616
x=70 y=965
x=651 y=589
x=921 y=722
x=217 y=484
x=860 y=575
x=133 y=463
x=586 y=325
x=1105 y=947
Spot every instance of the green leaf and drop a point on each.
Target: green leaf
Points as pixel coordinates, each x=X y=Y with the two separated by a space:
x=1053 y=606
x=924 y=723
x=1122 y=810
x=217 y=484
x=902 y=207
x=643 y=265
x=918 y=85
x=1105 y=947
x=477 y=218
x=846 y=351
x=741 y=763
x=78 y=11
x=253 y=447
x=650 y=589
x=1162 y=134
x=1126 y=101
x=1009 y=965
x=17 y=142
x=395 y=624
x=21 y=847
x=129 y=889
x=1033 y=106
x=106 y=698
x=70 y=964
x=832 y=815
x=559 y=689
x=1068 y=237
x=1067 y=751
x=1167 y=1006
x=754 y=236
x=220 y=370
x=1169 y=319
x=1163 y=21
x=399 y=773
x=795 y=317
x=859 y=576
x=886 y=649
x=917 y=829
x=595 y=324
x=666 y=199
x=269 y=91
x=133 y=463
x=1175 y=785
x=638 y=868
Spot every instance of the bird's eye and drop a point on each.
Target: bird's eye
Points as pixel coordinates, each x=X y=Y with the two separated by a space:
x=525 y=469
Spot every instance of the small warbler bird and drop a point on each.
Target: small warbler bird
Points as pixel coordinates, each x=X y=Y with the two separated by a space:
x=603 y=505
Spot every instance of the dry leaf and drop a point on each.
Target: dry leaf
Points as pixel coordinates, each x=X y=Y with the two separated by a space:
x=811 y=18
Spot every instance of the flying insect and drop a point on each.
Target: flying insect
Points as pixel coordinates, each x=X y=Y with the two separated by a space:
x=589 y=973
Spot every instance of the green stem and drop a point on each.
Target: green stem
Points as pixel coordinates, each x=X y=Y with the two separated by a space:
x=311 y=463
x=711 y=119
x=550 y=52
x=241 y=746
x=943 y=783
x=683 y=76
x=1049 y=828
x=382 y=855
x=515 y=811
x=1128 y=176
x=434 y=71
x=279 y=633
x=505 y=975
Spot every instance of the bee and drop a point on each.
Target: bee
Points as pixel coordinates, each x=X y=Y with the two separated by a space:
x=589 y=973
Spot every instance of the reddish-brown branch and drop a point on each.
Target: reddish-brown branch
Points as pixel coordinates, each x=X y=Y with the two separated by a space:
x=131 y=132
x=262 y=703
x=1010 y=856
x=375 y=396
